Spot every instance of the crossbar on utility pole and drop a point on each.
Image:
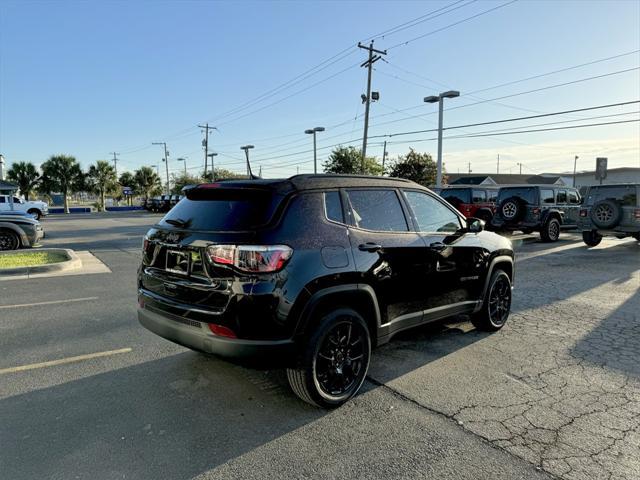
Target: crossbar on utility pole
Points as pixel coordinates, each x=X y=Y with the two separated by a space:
x=206 y=144
x=115 y=162
x=369 y=64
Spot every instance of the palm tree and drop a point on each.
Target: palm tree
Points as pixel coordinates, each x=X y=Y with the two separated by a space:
x=62 y=173
x=147 y=182
x=103 y=180
x=26 y=175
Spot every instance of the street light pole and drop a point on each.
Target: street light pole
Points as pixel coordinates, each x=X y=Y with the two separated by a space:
x=440 y=99
x=181 y=159
x=246 y=149
x=313 y=132
x=575 y=163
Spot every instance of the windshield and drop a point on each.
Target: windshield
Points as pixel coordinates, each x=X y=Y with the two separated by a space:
x=528 y=194
x=457 y=195
x=222 y=210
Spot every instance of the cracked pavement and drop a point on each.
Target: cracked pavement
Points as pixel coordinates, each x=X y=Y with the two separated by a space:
x=559 y=385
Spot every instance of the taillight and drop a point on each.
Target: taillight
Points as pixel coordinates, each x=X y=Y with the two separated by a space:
x=222 y=331
x=536 y=211
x=145 y=244
x=636 y=213
x=583 y=212
x=250 y=258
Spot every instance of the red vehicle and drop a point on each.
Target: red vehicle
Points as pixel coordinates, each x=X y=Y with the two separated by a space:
x=472 y=201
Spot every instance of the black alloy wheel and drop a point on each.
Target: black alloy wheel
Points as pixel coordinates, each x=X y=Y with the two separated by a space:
x=497 y=304
x=334 y=359
x=551 y=230
x=9 y=240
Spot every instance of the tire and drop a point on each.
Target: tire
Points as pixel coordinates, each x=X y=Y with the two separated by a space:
x=591 y=238
x=36 y=212
x=496 y=305
x=9 y=240
x=606 y=214
x=330 y=357
x=550 y=230
x=511 y=209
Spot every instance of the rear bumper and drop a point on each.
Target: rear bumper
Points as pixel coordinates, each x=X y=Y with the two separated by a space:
x=196 y=335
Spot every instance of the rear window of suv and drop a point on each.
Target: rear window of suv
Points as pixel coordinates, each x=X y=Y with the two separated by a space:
x=223 y=210
x=625 y=194
x=528 y=194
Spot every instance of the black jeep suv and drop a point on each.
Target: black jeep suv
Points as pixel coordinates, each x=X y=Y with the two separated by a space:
x=314 y=271
x=541 y=208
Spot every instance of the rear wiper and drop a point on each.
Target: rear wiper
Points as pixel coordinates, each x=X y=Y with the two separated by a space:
x=178 y=222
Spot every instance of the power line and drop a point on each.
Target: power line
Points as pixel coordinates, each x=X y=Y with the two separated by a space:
x=407 y=42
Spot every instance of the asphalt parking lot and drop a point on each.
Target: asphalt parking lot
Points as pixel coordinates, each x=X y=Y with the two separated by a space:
x=556 y=393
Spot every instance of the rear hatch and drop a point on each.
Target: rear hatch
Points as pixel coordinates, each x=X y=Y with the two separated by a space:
x=175 y=268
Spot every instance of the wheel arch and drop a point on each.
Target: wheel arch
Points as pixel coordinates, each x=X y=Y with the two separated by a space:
x=360 y=297
x=502 y=262
x=22 y=237
x=553 y=213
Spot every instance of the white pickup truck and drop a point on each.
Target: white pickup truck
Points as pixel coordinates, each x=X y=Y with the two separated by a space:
x=35 y=208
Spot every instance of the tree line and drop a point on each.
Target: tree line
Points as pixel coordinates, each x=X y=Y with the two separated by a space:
x=63 y=174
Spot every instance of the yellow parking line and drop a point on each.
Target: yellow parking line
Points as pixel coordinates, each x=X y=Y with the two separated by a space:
x=62 y=361
x=52 y=302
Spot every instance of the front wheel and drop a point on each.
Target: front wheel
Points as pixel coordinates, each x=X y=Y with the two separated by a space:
x=551 y=230
x=334 y=360
x=591 y=238
x=36 y=213
x=9 y=240
x=496 y=305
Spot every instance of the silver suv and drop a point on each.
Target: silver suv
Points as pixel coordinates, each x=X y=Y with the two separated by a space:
x=610 y=210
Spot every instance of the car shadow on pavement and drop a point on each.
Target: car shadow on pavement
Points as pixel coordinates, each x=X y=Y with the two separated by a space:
x=175 y=417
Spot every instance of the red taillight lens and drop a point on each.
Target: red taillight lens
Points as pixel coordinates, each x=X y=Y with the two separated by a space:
x=251 y=258
x=583 y=212
x=636 y=213
x=222 y=331
x=145 y=244
x=536 y=211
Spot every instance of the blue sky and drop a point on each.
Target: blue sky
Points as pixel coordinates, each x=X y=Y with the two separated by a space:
x=89 y=78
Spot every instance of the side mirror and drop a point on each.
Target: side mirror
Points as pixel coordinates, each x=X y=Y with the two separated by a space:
x=475 y=225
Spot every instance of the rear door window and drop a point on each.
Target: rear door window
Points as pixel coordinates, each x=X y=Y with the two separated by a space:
x=224 y=210
x=377 y=210
x=547 y=196
x=456 y=196
x=479 y=196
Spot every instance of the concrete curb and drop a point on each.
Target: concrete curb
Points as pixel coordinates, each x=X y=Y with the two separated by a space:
x=73 y=262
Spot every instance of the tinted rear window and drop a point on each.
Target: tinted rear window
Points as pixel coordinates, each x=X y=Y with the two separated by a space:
x=378 y=210
x=224 y=210
x=457 y=196
x=625 y=194
x=528 y=194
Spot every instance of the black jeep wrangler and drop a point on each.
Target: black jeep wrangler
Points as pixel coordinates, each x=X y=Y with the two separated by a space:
x=313 y=271
x=610 y=210
x=541 y=208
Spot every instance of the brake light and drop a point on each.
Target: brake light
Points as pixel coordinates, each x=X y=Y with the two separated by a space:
x=250 y=258
x=222 y=331
x=583 y=212
x=145 y=244
x=536 y=211
x=209 y=185
x=636 y=213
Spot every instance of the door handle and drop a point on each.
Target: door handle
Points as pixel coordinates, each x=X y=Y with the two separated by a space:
x=369 y=247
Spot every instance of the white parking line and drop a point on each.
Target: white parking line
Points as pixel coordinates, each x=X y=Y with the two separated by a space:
x=52 y=302
x=62 y=361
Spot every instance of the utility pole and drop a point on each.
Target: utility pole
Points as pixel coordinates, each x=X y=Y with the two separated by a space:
x=498 y=169
x=246 y=149
x=469 y=167
x=575 y=163
x=166 y=162
x=115 y=162
x=213 y=170
x=520 y=165
x=384 y=155
x=205 y=143
x=369 y=64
